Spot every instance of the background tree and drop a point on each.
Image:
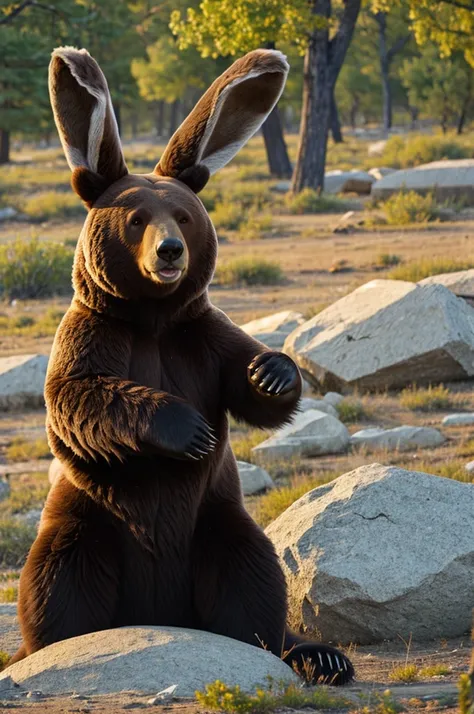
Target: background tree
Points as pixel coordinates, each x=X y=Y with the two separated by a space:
x=441 y=87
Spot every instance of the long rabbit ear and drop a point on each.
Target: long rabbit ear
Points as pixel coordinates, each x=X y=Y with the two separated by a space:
x=86 y=122
x=225 y=118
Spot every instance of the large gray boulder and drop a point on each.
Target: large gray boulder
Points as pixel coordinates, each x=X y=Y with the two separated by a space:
x=401 y=438
x=311 y=433
x=460 y=283
x=387 y=333
x=22 y=381
x=146 y=659
x=380 y=553
x=273 y=330
x=446 y=179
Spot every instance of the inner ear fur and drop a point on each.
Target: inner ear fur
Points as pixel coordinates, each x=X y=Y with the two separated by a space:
x=227 y=115
x=85 y=121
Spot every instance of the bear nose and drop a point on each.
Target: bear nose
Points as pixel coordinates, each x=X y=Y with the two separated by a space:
x=170 y=249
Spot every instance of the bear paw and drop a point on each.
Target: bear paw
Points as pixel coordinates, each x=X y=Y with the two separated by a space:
x=317 y=663
x=274 y=374
x=179 y=431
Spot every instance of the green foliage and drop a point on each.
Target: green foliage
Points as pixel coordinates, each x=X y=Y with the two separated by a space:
x=4 y=658
x=440 y=87
x=425 y=400
x=15 y=541
x=249 y=271
x=405 y=673
x=426 y=267
x=220 y=697
x=227 y=216
x=34 y=269
x=434 y=670
x=405 y=208
x=466 y=695
x=230 y=27
x=309 y=201
x=255 y=226
x=21 y=449
x=27 y=491
x=351 y=411
x=8 y=594
x=51 y=205
x=405 y=152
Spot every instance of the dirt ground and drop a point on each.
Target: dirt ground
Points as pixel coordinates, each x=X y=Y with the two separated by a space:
x=373 y=668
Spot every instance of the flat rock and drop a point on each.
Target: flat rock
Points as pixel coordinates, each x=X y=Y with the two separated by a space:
x=311 y=433
x=348 y=182
x=22 y=381
x=462 y=419
x=378 y=172
x=253 y=478
x=380 y=553
x=401 y=438
x=386 y=334
x=307 y=403
x=273 y=330
x=446 y=179
x=460 y=283
x=146 y=659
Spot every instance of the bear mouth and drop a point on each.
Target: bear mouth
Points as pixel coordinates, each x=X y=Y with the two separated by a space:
x=169 y=275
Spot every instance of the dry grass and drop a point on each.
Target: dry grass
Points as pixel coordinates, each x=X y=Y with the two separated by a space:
x=351 y=411
x=405 y=673
x=249 y=271
x=242 y=444
x=405 y=208
x=426 y=267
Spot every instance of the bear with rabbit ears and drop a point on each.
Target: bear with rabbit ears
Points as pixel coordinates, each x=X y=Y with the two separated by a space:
x=145 y=523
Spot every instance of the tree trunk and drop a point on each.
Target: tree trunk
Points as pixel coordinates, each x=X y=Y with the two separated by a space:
x=4 y=146
x=354 y=110
x=160 y=119
x=381 y=19
x=174 y=116
x=414 y=112
x=335 y=122
x=465 y=106
x=277 y=154
x=322 y=64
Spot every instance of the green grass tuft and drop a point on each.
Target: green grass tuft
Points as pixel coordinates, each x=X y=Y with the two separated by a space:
x=310 y=201
x=15 y=541
x=411 y=151
x=351 y=411
x=242 y=445
x=221 y=697
x=425 y=399
x=405 y=673
x=22 y=449
x=425 y=268
x=51 y=205
x=249 y=271
x=387 y=260
x=435 y=670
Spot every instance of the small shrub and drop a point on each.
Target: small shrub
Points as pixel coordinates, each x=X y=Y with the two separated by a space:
x=22 y=325
x=249 y=271
x=406 y=673
x=227 y=216
x=403 y=153
x=466 y=695
x=387 y=260
x=248 y=194
x=434 y=670
x=27 y=492
x=425 y=268
x=34 y=269
x=350 y=411
x=15 y=541
x=21 y=449
x=425 y=400
x=52 y=204
x=255 y=225
x=404 y=208
x=4 y=658
x=310 y=201
x=242 y=445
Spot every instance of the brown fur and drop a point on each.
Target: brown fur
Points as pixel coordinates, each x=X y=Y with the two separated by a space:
x=145 y=524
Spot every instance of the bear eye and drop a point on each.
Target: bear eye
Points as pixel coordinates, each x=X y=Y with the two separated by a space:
x=137 y=221
x=183 y=220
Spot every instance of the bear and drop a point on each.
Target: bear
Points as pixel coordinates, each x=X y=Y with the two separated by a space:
x=145 y=522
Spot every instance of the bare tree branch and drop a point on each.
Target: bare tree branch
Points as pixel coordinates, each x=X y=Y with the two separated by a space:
x=9 y=17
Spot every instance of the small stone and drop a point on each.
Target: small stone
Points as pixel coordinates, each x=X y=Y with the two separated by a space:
x=34 y=694
x=333 y=398
x=459 y=419
x=469 y=467
x=307 y=403
x=164 y=695
x=253 y=478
